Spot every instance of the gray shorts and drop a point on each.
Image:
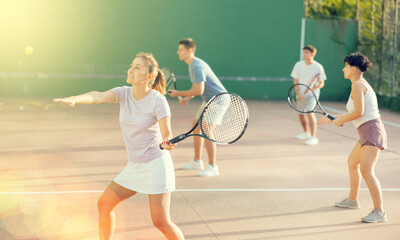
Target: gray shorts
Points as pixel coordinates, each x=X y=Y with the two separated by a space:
x=220 y=107
x=373 y=133
x=201 y=108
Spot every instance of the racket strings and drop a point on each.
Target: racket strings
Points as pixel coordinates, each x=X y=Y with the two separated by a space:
x=169 y=80
x=225 y=118
x=302 y=99
x=169 y=84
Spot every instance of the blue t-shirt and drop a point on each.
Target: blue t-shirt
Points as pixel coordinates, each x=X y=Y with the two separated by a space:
x=199 y=71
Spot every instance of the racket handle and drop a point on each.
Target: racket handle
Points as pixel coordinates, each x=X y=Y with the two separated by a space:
x=330 y=117
x=175 y=140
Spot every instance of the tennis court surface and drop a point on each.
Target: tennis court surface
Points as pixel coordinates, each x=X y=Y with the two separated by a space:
x=55 y=161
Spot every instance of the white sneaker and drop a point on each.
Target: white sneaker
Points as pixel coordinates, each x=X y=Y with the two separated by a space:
x=193 y=165
x=303 y=136
x=312 y=141
x=347 y=203
x=375 y=216
x=209 y=171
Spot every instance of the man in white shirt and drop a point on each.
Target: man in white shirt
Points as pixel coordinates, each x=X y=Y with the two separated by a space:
x=309 y=72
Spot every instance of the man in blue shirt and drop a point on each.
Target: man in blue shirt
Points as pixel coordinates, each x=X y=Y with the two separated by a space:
x=205 y=84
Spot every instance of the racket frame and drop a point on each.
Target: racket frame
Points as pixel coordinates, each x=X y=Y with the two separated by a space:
x=199 y=122
x=173 y=83
x=313 y=83
x=308 y=91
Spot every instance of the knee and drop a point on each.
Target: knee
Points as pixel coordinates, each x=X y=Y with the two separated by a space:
x=161 y=224
x=366 y=172
x=104 y=205
x=352 y=163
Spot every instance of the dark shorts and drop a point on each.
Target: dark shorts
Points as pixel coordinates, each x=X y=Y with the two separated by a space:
x=373 y=133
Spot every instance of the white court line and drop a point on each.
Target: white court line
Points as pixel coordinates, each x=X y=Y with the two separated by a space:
x=340 y=112
x=215 y=190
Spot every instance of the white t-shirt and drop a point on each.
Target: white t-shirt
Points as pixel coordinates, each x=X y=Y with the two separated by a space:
x=305 y=73
x=139 y=123
x=371 y=110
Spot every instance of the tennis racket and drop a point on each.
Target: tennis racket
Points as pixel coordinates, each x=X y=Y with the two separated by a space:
x=170 y=80
x=314 y=82
x=223 y=120
x=303 y=99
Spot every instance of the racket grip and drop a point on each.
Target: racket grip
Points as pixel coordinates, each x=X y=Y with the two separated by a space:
x=175 y=140
x=330 y=117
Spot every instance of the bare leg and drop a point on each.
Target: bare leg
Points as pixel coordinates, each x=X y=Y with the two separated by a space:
x=313 y=124
x=303 y=122
x=353 y=163
x=159 y=209
x=111 y=197
x=197 y=143
x=211 y=148
x=369 y=157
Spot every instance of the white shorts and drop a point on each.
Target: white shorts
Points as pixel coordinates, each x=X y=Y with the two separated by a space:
x=308 y=103
x=154 y=177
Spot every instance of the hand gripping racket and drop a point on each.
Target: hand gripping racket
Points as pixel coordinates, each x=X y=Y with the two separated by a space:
x=223 y=120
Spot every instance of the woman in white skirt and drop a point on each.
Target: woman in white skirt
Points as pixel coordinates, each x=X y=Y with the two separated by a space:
x=145 y=123
x=363 y=111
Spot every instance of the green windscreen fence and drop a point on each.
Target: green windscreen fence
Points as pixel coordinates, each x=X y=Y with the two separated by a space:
x=334 y=39
x=80 y=46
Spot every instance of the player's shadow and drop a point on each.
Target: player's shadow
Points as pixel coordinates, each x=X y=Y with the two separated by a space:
x=234 y=219
x=327 y=228
x=316 y=210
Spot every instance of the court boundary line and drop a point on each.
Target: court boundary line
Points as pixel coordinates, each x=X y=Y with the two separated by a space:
x=212 y=190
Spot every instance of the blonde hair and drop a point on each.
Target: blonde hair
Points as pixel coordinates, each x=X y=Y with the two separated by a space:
x=158 y=81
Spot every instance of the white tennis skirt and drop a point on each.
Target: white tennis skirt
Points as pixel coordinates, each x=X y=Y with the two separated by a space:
x=154 y=177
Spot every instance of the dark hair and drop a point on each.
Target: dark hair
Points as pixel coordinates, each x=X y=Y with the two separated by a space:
x=358 y=60
x=310 y=48
x=158 y=82
x=188 y=43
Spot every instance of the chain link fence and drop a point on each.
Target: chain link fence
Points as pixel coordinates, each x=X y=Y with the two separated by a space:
x=378 y=38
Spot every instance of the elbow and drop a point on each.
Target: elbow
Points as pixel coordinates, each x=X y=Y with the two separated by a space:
x=95 y=97
x=199 y=92
x=358 y=114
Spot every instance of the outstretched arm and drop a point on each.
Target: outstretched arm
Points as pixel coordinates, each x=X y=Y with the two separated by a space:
x=166 y=133
x=93 y=97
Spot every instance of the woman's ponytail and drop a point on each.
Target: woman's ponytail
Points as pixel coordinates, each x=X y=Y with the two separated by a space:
x=159 y=83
